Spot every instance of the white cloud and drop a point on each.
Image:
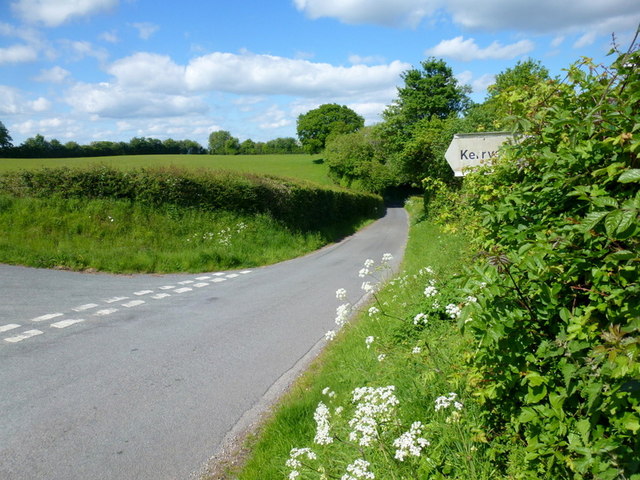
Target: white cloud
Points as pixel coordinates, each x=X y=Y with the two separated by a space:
x=466 y=50
x=149 y=71
x=116 y=101
x=54 y=127
x=110 y=36
x=13 y=102
x=40 y=104
x=18 y=54
x=585 y=40
x=145 y=29
x=266 y=74
x=53 y=13
x=53 y=75
x=557 y=41
x=396 y=13
x=541 y=16
x=81 y=49
x=273 y=118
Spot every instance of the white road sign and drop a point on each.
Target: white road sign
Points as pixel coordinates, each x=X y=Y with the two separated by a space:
x=472 y=149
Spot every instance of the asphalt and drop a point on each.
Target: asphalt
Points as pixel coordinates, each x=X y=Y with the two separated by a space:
x=129 y=380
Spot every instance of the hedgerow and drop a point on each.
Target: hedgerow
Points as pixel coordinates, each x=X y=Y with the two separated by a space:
x=298 y=204
x=557 y=315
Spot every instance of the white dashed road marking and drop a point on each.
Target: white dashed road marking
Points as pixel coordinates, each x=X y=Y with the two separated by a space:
x=82 y=308
x=115 y=299
x=185 y=282
x=244 y=272
x=233 y=275
x=183 y=290
x=168 y=287
x=24 y=336
x=66 y=323
x=203 y=278
x=218 y=280
x=49 y=316
x=200 y=285
x=133 y=303
x=158 y=296
x=10 y=326
x=106 y=311
x=143 y=292
x=218 y=274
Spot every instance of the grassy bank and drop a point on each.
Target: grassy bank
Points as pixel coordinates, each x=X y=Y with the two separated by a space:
x=120 y=236
x=303 y=167
x=409 y=348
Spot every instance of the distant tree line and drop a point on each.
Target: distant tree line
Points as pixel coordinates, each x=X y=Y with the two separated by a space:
x=221 y=142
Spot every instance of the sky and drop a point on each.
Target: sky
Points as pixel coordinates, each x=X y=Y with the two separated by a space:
x=92 y=70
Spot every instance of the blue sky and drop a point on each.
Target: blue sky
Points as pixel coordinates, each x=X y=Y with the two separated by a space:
x=87 y=70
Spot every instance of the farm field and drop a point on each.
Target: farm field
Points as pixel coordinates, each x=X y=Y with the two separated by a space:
x=303 y=167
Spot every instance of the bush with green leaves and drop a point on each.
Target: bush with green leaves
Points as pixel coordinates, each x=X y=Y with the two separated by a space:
x=299 y=205
x=557 y=318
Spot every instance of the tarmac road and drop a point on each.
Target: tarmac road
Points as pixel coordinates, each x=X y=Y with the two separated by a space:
x=142 y=377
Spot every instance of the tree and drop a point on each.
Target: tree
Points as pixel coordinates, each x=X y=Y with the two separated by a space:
x=432 y=91
x=522 y=75
x=5 y=138
x=217 y=142
x=315 y=126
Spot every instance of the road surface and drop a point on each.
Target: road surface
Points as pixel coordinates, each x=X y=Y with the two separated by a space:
x=141 y=377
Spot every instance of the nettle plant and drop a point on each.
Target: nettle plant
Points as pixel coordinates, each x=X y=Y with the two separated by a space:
x=557 y=322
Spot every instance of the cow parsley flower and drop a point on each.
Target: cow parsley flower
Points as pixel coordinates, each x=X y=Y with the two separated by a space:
x=381 y=357
x=445 y=401
x=294 y=463
x=430 y=291
x=420 y=318
x=328 y=392
x=330 y=335
x=452 y=310
x=342 y=314
x=368 y=263
x=321 y=416
x=374 y=311
x=410 y=443
x=368 y=341
x=416 y=350
x=341 y=294
x=367 y=287
x=364 y=272
x=357 y=470
x=373 y=406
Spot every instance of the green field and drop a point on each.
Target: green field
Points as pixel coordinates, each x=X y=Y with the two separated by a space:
x=304 y=167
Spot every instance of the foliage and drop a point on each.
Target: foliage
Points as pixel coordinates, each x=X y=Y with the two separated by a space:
x=218 y=142
x=285 y=200
x=315 y=126
x=431 y=91
x=557 y=317
x=5 y=138
x=358 y=157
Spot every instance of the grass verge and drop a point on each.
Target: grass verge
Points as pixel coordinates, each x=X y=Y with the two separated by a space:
x=389 y=396
x=124 y=237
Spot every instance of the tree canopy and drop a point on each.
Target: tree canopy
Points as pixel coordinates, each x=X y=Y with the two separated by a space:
x=315 y=126
x=5 y=138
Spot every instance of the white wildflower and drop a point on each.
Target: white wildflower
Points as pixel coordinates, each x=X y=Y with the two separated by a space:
x=452 y=310
x=410 y=443
x=387 y=257
x=368 y=341
x=357 y=470
x=445 y=401
x=341 y=294
x=471 y=299
x=368 y=263
x=367 y=287
x=330 y=335
x=435 y=305
x=321 y=416
x=339 y=410
x=430 y=291
x=364 y=272
x=381 y=357
x=374 y=405
x=420 y=318
x=373 y=311
x=342 y=314
x=416 y=350
x=327 y=391
x=294 y=463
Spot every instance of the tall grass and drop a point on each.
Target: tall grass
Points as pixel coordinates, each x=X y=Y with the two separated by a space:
x=121 y=236
x=423 y=360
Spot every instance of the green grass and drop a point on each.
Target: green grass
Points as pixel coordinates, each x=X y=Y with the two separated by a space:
x=305 y=167
x=120 y=236
x=457 y=445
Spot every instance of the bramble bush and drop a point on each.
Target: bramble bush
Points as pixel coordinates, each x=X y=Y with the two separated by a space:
x=557 y=315
x=299 y=205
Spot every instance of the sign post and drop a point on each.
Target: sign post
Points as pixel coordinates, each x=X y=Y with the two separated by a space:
x=472 y=149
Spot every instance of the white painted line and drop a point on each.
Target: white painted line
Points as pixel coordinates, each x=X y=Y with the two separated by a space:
x=106 y=311
x=49 y=316
x=158 y=296
x=133 y=303
x=115 y=299
x=9 y=326
x=66 y=323
x=219 y=274
x=200 y=285
x=143 y=292
x=183 y=290
x=244 y=272
x=185 y=282
x=218 y=280
x=233 y=275
x=168 y=287
x=24 y=336
x=87 y=306
x=203 y=278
